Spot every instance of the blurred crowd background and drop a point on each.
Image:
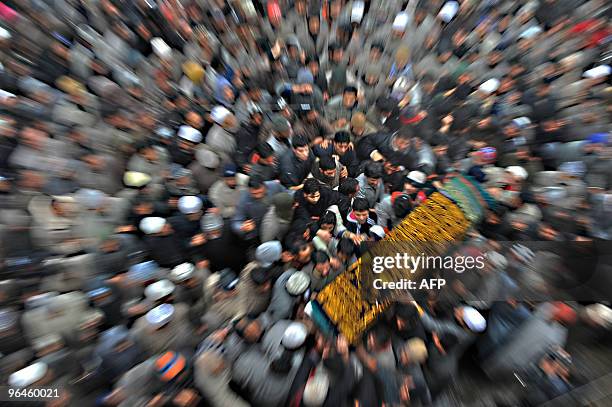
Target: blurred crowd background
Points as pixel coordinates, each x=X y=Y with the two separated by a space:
x=179 y=178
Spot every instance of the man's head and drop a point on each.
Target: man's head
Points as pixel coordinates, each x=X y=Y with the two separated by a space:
x=439 y=144
x=401 y=141
x=373 y=173
x=281 y=127
x=312 y=63
x=256 y=117
x=379 y=337
x=327 y=166
x=345 y=249
x=300 y=147
x=320 y=260
x=358 y=124
x=312 y=191
x=349 y=96
x=312 y=115
x=249 y=328
x=229 y=175
x=349 y=187
x=402 y=56
x=361 y=210
x=257 y=188
x=337 y=52
x=314 y=24
x=406 y=316
x=145 y=149
x=301 y=251
x=194 y=120
x=342 y=141
x=328 y=222
x=386 y=106
x=415 y=180
x=376 y=50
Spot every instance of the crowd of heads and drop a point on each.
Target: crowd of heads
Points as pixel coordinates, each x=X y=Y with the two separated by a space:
x=179 y=179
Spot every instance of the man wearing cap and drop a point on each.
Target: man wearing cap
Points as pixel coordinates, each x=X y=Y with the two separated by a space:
x=205 y=168
x=224 y=193
x=312 y=125
x=182 y=149
x=286 y=293
x=186 y=224
x=161 y=240
x=38 y=374
x=163 y=378
x=267 y=376
x=413 y=186
x=220 y=137
x=467 y=324
x=255 y=287
x=163 y=327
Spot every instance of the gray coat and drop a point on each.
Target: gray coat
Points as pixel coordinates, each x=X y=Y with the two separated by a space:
x=224 y=198
x=528 y=343
x=282 y=303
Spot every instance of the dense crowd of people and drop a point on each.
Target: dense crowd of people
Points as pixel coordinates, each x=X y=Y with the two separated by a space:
x=179 y=178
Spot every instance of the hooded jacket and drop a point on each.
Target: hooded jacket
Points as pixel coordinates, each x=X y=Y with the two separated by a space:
x=355 y=227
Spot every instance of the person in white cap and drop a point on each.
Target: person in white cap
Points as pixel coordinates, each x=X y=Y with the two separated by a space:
x=268 y=373
x=189 y=283
x=159 y=292
x=224 y=193
x=415 y=181
x=30 y=375
x=205 y=168
x=163 y=244
x=467 y=324
x=255 y=287
x=182 y=148
x=518 y=174
x=163 y=327
x=397 y=34
x=286 y=293
x=220 y=138
x=186 y=224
